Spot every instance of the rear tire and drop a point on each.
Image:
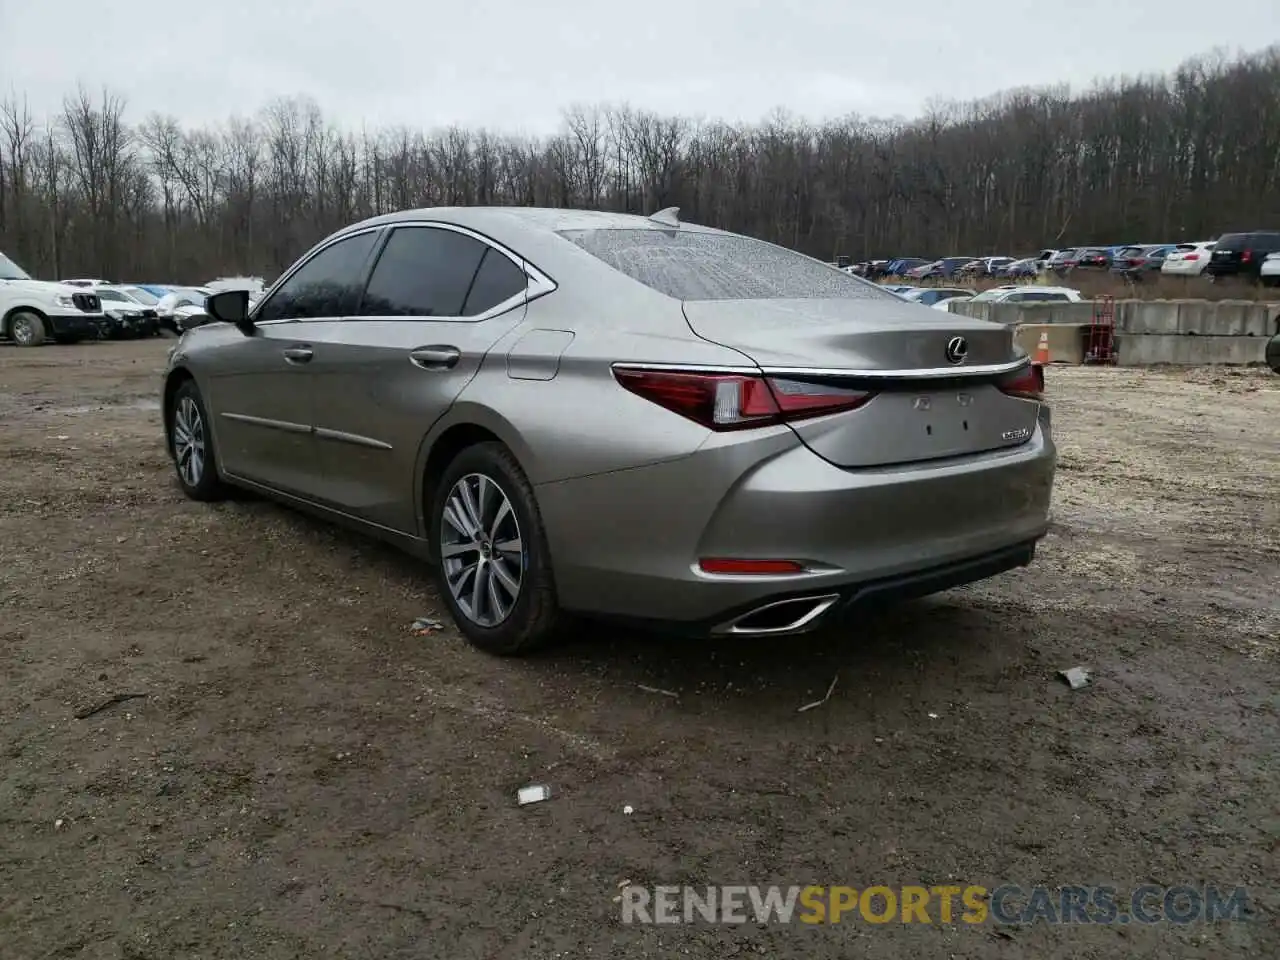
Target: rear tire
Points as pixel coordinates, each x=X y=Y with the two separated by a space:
x=191 y=445
x=490 y=547
x=27 y=329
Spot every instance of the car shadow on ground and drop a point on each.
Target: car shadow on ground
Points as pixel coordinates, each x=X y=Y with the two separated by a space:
x=893 y=652
x=900 y=646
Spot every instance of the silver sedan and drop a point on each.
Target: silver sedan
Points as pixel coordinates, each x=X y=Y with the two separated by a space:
x=592 y=413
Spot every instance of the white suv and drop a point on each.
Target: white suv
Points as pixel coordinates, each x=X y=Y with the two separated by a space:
x=32 y=311
x=1187 y=259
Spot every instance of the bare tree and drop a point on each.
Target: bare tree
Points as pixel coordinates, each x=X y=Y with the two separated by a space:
x=1186 y=156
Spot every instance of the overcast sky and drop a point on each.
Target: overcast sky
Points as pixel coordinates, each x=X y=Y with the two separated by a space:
x=513 y=66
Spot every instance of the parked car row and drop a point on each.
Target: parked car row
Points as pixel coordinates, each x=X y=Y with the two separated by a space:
x=1252 y=255
x=68 y=311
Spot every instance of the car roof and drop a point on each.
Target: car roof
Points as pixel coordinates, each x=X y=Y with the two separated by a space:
x=540 y=219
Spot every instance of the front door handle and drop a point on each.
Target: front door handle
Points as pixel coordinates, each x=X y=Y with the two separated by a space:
x=435 y=358
x=298 y=354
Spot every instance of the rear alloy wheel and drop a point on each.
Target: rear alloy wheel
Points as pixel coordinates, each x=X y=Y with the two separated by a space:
x=26 y=329
x=191 y=445
x=491 y=550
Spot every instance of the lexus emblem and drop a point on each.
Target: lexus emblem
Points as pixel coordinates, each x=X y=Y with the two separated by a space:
x=957 y=349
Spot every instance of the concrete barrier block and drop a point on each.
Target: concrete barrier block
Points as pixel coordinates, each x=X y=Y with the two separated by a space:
x=1258 y=320
x=1123 y=312
x=1048 y=312
x=1195 y=316
x=1007 y=313
x=1071 y=312
x=978 y=311
x=1066 y=340
x=1229 y=318
x=1150 y=317
x=1140 y=350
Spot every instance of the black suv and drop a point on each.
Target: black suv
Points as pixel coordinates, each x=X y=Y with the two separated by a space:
x=1241 y=254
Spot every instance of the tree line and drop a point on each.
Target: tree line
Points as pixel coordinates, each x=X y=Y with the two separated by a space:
x=1187 y=155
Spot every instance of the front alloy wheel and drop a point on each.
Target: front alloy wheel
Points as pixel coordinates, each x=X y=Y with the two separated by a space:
x=481 y=550
x=191 y=445
x=188 y=441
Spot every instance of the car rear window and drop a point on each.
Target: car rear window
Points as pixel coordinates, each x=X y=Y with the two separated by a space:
x=691 y=265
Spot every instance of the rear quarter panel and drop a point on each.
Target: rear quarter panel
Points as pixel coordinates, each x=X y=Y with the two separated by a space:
x=580 y=421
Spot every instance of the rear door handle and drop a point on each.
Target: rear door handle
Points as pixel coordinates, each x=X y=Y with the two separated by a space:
x=298 y=354
x=435 y=358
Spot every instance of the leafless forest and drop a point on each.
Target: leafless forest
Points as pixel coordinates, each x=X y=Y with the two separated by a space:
x=1155 y=159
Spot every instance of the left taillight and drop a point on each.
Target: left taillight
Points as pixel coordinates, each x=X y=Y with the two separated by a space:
x=736 y=402
x=1026 y=383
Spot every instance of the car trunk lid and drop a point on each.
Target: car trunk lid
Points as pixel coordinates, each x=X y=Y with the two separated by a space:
x=924 y=407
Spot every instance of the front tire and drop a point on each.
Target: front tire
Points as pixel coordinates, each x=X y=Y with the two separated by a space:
x=27 y=329
x=191 y=445
x=491 y=549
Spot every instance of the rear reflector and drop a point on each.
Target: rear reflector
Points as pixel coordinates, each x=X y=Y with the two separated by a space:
x=1027 y=383
x=756 y=567
x=734 y=402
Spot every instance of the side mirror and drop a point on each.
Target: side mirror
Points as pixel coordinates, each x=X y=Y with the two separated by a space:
x=230 y=306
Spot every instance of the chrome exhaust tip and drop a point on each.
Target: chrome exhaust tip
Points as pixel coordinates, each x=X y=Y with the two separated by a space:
x=779 y=617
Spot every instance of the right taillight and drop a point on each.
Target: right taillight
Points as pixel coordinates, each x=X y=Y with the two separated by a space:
x=734 y=402
x=1246 y=256
x=1026 y=383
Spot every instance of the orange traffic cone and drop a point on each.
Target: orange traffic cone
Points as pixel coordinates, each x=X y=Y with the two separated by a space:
x=1042 y=349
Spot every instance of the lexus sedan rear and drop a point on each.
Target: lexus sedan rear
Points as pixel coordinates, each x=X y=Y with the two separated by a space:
x=622 y=416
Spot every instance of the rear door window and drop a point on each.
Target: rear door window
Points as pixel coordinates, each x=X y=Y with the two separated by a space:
x=692 y=265
x=423 y=272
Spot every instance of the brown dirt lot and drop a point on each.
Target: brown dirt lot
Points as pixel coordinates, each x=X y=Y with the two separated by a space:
x=305 y=778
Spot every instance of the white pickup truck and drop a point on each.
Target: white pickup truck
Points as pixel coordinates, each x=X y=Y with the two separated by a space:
x=33 y=311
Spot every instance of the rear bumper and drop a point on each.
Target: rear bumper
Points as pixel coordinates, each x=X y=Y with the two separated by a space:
x=628 y=543
x=79 y=325
x=804 y=612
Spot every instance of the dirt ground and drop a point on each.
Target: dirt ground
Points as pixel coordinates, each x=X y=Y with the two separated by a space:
x=306 y=778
